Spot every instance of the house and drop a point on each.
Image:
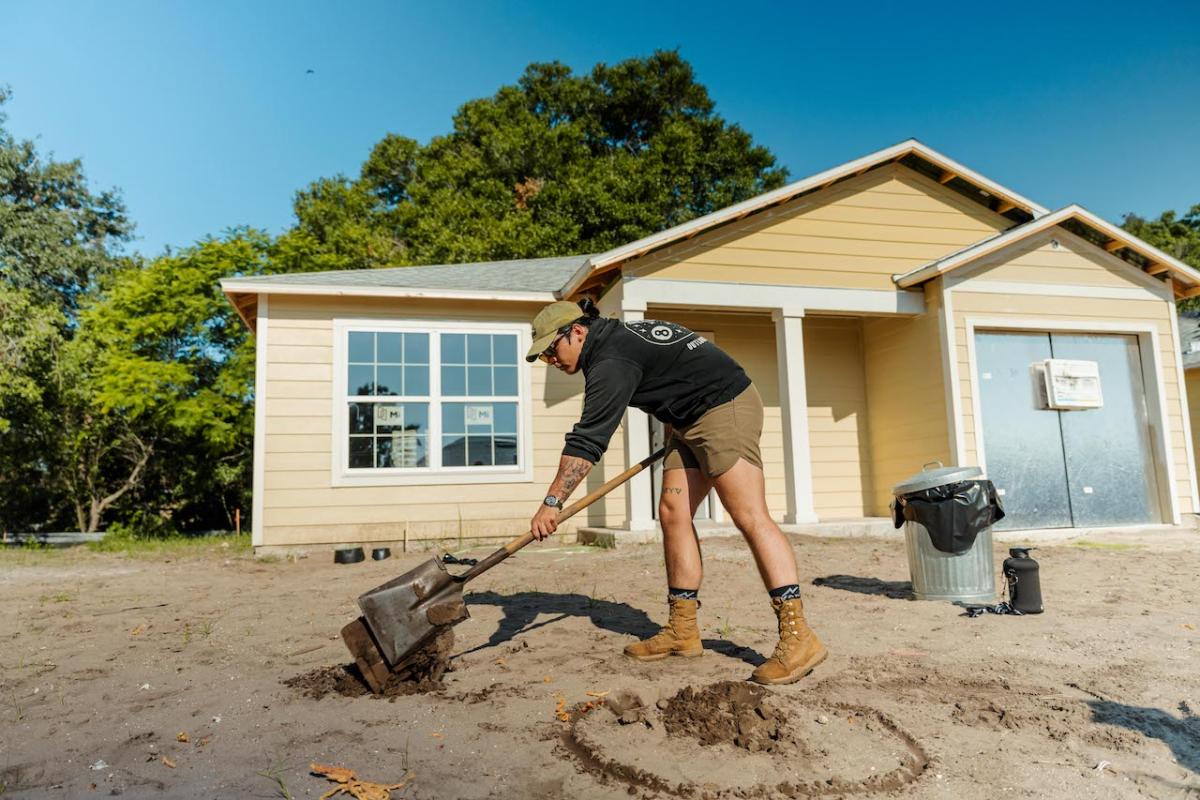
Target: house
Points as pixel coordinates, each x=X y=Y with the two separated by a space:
x=895 y=311
x=1189 y=345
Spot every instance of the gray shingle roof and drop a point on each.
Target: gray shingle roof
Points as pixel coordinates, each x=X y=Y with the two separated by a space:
x=519 y=275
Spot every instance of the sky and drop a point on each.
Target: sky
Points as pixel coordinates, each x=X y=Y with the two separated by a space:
x=205 y=114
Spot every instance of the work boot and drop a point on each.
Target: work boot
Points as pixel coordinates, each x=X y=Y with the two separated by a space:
x=799 y=649
x=679 y=637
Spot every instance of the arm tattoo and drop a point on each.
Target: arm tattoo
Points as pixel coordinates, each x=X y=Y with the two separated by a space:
x=571 y=470
x=673 y=489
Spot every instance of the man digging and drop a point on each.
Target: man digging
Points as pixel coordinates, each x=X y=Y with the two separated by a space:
x=715 y=416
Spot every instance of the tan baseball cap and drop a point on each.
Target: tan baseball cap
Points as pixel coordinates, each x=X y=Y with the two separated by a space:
x=546 y=325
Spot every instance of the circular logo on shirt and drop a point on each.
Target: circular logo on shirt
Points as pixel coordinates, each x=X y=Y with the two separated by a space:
x=661 y=332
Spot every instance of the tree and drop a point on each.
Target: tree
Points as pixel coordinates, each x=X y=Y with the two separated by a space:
x=1175 y=234
x=58 y=242
x=559 y=163
x=31 y=340
x=168 y=399
x=57 y=238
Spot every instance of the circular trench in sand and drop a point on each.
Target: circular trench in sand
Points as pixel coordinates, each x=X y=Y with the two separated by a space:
x=734 y=739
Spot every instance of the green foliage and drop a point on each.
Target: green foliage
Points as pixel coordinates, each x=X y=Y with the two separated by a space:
x=559 y=163
x=57 y=237
x=172 y=368
x=1177 y=235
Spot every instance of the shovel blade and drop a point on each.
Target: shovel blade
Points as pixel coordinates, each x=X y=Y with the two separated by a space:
x=406 y=612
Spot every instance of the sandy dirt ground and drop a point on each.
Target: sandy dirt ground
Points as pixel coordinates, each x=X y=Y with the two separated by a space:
x=164 y=677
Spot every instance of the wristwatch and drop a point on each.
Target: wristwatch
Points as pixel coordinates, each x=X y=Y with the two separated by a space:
x=552 y=501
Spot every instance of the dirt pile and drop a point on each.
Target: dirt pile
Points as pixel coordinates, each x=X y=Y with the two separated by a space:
x=740 y=740
x=733 y=712
x=420 y=673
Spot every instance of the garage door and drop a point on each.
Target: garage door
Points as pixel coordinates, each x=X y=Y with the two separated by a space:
x=1056 y=468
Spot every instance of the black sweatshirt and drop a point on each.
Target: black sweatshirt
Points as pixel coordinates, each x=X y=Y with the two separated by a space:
x=661 y=368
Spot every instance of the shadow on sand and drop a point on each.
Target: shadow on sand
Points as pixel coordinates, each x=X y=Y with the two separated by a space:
x=1181 y=734
x=896 y=590
x=522 y=608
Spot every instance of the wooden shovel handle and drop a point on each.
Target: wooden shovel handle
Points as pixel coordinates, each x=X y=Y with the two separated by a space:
x=568 y=512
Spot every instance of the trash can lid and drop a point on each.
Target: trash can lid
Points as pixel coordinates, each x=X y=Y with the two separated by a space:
x=931 y=476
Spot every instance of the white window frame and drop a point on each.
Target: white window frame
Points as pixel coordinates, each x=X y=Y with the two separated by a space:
x=343 y=475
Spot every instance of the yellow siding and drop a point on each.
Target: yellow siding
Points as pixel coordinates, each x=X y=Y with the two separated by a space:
x=837 y=410
x=300 y=504
x=1057 y=257
x=856 y=235
x=1103 y=311
x=1192 y=399
x=906 y=399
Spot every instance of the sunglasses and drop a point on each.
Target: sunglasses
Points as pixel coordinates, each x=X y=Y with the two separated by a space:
x=549 y=356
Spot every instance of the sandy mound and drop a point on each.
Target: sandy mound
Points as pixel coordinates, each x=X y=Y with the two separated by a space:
x=421 y=673
x=729 y=712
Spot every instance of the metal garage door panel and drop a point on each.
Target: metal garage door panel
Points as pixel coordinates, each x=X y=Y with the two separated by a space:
x=1110 y=464
x=1022 y=442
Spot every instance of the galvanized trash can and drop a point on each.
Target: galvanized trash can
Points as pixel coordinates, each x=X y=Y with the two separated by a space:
x=962 y=507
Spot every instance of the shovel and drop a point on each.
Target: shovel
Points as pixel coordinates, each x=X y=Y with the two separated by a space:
x=403 y=615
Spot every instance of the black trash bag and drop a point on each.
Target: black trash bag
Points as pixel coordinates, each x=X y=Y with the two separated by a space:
x=953 y=513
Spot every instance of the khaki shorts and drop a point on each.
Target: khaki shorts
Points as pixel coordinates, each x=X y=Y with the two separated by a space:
x=722 y=435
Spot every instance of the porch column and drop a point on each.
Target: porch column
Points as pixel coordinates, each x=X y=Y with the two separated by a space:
x=793 y=406
x=638 y=508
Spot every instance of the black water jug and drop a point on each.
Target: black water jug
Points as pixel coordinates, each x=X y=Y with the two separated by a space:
x=1024 y=585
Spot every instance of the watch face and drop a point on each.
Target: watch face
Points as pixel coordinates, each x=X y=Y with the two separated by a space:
x=551 y=501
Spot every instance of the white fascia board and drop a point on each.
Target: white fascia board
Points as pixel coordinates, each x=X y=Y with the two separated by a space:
x=784 y=193
x=996 y=243
x=638 y=292
x=248 y=287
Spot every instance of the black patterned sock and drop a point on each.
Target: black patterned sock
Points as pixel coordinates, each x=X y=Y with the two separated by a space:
x=788 y=592
x=682 y=594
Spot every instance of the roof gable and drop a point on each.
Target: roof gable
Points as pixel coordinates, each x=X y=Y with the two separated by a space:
x=854 y=235
x=1098 y=232
x=911 y=153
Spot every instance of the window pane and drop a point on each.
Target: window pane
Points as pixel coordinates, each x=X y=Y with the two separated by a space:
x=416 y=348
x=504 y=349
x=454 y=348
x=388 y=349
x=361 y=380
x=454 y=381
x=361 y=419
x=401 y=449
x=479 y=451
x=506 y=380
x=416 y=417
x=388 y=381
x=416 y=381
x=452 y=418
x=505 y=418
x=506 y=450
x=362 y=452
x=479 y=380
x=454 y=451
x=362 y=347
x=479 y=348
